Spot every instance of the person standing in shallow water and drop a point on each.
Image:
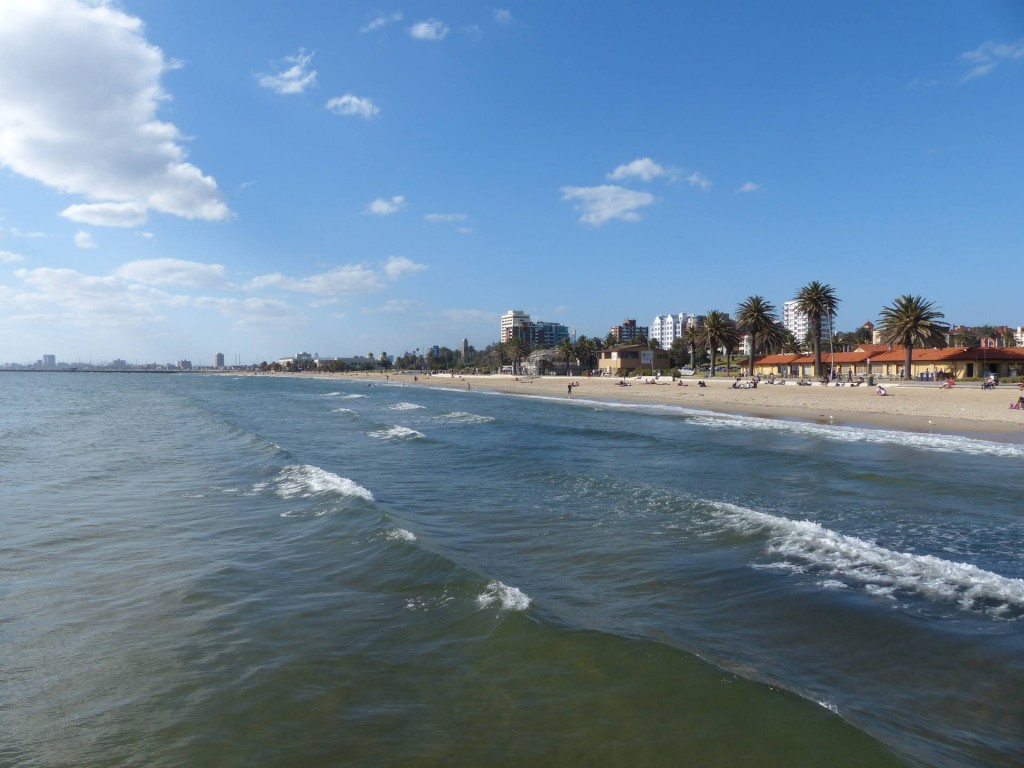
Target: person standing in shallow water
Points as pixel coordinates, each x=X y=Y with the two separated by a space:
x=570 y=389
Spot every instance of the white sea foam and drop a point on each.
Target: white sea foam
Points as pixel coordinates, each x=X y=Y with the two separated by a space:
x=330 y=394
x=400 y=534
x=397 y=433
x=875 y=569
x=302 y=480
x=510 y=598
x=461 y=417
x=342 y=410
x=923 y=440
x=351 y=396
x=405 y=407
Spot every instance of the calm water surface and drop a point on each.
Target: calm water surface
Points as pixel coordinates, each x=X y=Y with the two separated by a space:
x=268 y=571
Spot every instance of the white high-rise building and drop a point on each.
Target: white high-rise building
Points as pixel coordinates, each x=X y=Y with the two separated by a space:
x=798 y=323
x=668 y=328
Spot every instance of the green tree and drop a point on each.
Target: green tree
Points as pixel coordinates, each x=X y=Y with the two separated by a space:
x=911 y=321
x=517 y=351
x=693 y=338
x=587 y=351
x=965 y=337
x=757 y=317
x=718 y=332
x=817 y=300
x=567 y=351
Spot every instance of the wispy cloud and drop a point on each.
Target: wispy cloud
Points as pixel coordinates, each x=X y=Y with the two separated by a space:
x=603 y=203
x=81 y=91
x=432 y=30
x=444 y=218
x=697 y=179
x=502 y=16
x=107 y=214
x=187 y=274
x=382 y=21
x=643 y=168
x=9 y=257
x=987 y=56
x=295 y=76
x=346 y=279
x=748 y=186
x=382 y=207
x=355 y=106
x=398 y=266
x=84 y=240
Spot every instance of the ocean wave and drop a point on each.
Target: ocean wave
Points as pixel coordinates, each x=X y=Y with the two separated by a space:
x=461 y=417
x=342 y=410
x=510 y=598
x=400 y=534
x=397 y=433
x=330 y=394
x=351 y=396
x=805 y=546
x=405 y=407
x=922 y=440
x=303 y=480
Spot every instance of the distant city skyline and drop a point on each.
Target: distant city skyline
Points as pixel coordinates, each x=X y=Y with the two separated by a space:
x=342 y=177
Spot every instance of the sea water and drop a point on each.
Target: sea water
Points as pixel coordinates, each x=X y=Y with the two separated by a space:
x=279 y=571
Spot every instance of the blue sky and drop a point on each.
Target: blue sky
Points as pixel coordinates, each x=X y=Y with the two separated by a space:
x=179 y=179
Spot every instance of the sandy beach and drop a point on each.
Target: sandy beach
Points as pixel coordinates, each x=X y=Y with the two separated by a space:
x=966 y=408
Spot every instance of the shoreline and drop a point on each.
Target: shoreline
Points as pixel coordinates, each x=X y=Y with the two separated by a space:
x=914 y=407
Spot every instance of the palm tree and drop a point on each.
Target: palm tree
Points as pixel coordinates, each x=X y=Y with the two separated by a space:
x=693 y=338
x=567 y=351
x=517 y=351
x=718 y=331
x=586 y=352
x=817 y=300
x=965 y=338
x=757 y=317
x=913 y=321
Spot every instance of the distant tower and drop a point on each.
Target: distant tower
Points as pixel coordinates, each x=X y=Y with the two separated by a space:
x=218 y=360
x=464 y=351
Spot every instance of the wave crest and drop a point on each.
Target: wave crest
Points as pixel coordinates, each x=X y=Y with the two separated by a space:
x=510 y=598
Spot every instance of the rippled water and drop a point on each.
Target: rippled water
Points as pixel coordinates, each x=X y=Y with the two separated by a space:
x=200 y=570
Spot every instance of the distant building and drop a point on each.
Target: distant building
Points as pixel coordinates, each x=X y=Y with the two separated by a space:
x=218 y=360
x=668 y=328
x=627 y=359
x=799 y=324
x=517 y=324
x=184 y=365
x=464 y=350
x=629 y=331
x=49 y=361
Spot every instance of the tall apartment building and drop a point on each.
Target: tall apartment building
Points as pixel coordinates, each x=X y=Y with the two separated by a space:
x=798 y=323
x=218 y=360
x=629 y=331
x=540 y=333
x=668 y=328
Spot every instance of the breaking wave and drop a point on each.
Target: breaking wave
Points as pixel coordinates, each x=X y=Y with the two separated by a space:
x=304 y=480
x=396 y=433
x=847 y=561
x=510 y=598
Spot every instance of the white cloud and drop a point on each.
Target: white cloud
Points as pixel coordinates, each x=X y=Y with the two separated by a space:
x=88 y=298
x=431 y=29
x=295 y=78
x=987 y=56
x=191 y=274
x=397 y=266
x=396 y=305
x=107 y=214
x=8 y=257
x=383 y=207
x=382 y=21
x=442 y=218
x=502 y=16
x=600 y=204
x=697 y=179
x=642 y=168
x=84 y=240
x=253 y=312
x=79 y=94
x=749 y=186
x=356 y=106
